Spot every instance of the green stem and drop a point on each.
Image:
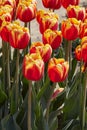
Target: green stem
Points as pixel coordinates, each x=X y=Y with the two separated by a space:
x=8 y=68
x=29 y=105
x=84 y=101
x=17 y=78
x=4 y=63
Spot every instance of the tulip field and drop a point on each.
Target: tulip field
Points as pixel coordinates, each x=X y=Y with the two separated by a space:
x=43 y=76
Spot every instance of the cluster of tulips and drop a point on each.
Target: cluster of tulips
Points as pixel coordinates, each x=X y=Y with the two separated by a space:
x=42 y=53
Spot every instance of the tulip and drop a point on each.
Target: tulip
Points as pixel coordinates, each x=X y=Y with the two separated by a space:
x=33 y=67
x=6 y=13
x=66 y=3
x=4 y=31
x=42 y=13
x=57 y=92
x=83 y=30
x=44 y=50
x=52 y=37
x=84 y=49
x=76 y=12
x=58 y=69
x=47 y=21
x=70 y=28
x=18 y=36
x=78 y=52
x=52 y=4
x=26 y=10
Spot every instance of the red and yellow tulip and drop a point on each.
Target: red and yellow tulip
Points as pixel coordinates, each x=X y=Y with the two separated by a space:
x=4 y=31
x=70 y=28
x=66 y=3
x=83 y=29
x=47 y=20
x=33 y=67
x=26 y=10
x=78 y=53
x=58 y=69
x=76 y=12
x=84 y=49
x=52 y=4
x=6 y=13
x=18 y=36
x=52 y=37
x=44 y=50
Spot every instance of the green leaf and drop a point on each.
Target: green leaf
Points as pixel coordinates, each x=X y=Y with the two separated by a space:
x=74 y=67
x=68 y=125
x=72 y=105
x=43 y=89
x=73 y=85
x=54 y=124
x=9 y=123
x=3 y=97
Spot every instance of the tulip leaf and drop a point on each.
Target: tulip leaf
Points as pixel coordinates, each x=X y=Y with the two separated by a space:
x=3 y=97
x=68 y=125
x=72 y=105
x=43 y=89
x=9 y=123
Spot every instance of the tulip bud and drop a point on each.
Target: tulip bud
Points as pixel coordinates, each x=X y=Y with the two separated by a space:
x=26 y=10
x=58 y=69
x=18 y=36
x=70 y=28
x=33 y=67
x=52 y=4
x=52 y=37
x=44 y=50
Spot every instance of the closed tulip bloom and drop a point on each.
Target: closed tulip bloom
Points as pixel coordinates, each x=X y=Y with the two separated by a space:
x=18 y=36
x=26 y=10
x=42 y=13
x=52 y=37
x=47 y=20
x=84 y=49
x=58 y=69
x=78 y=53
x=76 y=12
x=44 y=50
x=83 y=30
x=4 y=31
x=70 y=28
x=33 y=67
x=66 y=3
x=52 y=4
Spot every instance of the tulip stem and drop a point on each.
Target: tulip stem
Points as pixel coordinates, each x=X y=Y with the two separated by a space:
x=84 y=101
x=17 y=78
x=8 y=68
x=29 y=105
